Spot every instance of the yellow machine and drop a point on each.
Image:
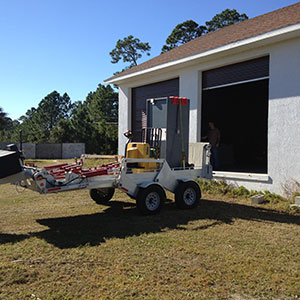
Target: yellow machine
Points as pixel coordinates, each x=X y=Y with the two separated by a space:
x=140 y=150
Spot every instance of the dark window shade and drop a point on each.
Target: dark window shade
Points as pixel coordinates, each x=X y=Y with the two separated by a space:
x=139 y=98
x=247 y=70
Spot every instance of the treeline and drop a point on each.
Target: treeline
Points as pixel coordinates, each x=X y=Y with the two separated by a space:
x=58 y=120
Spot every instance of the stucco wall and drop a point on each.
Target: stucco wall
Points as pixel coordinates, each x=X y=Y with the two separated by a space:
x=65 y=150
x=48 y=151
x=188 y=87
x=283 y=120
x=124 y=117
x=28 y=148
x=72 y=150
x=284 y=113
x=284 y=109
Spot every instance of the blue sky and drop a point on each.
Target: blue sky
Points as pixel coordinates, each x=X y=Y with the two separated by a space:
x=64 y=45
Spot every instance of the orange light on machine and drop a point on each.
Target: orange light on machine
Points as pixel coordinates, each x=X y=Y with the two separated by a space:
x=40 y=177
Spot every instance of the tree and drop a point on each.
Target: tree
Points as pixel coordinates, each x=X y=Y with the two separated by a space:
x=57 y=120
x=53 y=108
x=38 y=123
x=93 y=122
x=225 y=18
x=129 y=49
x=103 y=111
x=31 y=126
x=7 y=126
x=183 y=33
x=102 y=107
x=103 y=104
x=189 y=30
x=2 y=118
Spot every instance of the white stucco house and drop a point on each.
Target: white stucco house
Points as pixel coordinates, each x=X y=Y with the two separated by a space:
x=244 y=77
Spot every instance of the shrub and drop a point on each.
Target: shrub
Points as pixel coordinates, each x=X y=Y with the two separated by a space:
x=221 y=187
x=291 y=189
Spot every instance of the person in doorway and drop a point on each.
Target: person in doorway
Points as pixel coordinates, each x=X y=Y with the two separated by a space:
x=213 y=136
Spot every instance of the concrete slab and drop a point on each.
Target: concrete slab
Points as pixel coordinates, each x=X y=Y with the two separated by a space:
x=257 y=199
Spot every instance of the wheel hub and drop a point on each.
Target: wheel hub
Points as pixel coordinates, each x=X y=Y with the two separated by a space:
x=102 y=192
x=152 y=201
x=189 y=196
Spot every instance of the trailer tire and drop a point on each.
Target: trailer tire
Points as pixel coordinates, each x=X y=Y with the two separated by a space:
x=149 y=200
x=187 y=194
x=102 y=196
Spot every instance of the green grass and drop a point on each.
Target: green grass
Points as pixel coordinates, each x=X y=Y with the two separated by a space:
x=64 y=246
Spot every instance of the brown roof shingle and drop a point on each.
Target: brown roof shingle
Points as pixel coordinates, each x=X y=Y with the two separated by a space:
x=277 y=19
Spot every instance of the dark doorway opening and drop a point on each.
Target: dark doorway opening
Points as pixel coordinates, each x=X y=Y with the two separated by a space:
x=241 y=114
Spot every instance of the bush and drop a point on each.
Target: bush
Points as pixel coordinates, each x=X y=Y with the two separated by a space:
x=291 y=189
x=221 y=187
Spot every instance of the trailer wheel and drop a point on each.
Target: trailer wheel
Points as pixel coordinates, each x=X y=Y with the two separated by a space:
x=102 y=196
x=187 y=194
x=150 y=199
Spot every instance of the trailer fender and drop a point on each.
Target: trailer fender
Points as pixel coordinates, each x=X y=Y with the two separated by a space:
x=150 y=199
x=184 y=181
x=187 y=194
x=144 y=185
x=180 y=181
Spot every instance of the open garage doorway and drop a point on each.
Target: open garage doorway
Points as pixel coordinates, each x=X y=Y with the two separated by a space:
x=240 y=111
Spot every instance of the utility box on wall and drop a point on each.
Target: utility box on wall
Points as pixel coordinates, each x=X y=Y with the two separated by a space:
x=165 y=113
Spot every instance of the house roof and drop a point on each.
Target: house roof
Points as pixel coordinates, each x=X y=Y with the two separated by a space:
x=274 y=20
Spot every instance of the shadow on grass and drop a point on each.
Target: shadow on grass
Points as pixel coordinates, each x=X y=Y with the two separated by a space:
x=121 y=220
x=12 y=238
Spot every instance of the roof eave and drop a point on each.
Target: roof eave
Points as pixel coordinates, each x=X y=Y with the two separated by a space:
x=262 y=39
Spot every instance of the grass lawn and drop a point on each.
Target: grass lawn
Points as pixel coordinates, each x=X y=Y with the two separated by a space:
x=64 y=246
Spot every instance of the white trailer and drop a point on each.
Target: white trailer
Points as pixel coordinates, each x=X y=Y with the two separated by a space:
x=146 y=186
